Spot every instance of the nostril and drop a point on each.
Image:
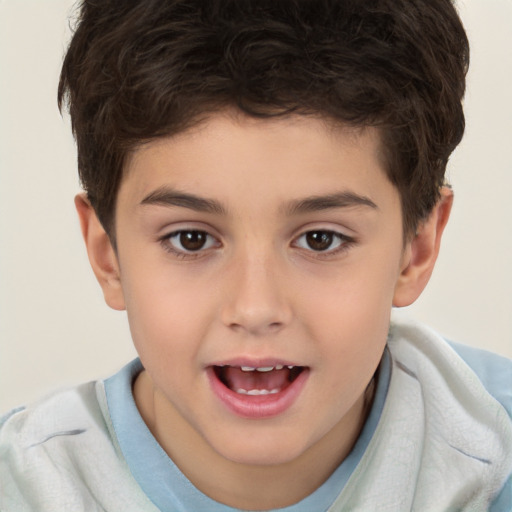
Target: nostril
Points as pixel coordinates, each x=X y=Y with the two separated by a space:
x=255 y=325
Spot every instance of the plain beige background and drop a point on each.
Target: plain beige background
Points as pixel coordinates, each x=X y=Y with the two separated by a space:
x=55 y=329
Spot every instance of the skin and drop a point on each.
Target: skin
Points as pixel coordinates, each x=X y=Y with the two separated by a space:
x=257 y=290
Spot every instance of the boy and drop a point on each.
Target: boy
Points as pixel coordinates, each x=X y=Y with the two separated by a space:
x=264 y=181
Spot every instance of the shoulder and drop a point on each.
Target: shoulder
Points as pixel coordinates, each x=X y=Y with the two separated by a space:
x=61 y=454
x=467 y=398
x=41 y=443
x=493 y=370
x=63 y=412
x=495 y=373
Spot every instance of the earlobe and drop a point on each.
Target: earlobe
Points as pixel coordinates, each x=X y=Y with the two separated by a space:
x=102 y=255
x=421 y=252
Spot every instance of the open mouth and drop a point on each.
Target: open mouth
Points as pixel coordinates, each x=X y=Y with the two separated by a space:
x=264 y=380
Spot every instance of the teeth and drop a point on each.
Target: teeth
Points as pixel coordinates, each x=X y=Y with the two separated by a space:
x=263 y=368
x=258 y=392
x=255 y=392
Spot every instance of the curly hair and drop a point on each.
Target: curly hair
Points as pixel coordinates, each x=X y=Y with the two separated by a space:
x=137 y=70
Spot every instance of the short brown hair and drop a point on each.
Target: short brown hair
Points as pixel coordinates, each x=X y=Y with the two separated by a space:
x=141 y=69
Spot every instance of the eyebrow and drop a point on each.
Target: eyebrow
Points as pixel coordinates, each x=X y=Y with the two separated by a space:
x=165 y=196
x=343 y=199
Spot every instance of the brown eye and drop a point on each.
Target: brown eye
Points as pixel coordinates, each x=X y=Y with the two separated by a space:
x=193 y=240
x=319 y=240
x=322 y=240
x=187 y=241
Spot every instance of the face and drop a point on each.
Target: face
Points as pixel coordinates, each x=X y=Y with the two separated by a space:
x=258 y=261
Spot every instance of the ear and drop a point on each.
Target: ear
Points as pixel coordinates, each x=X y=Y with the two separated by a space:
x=420 y=253
x=102 y=255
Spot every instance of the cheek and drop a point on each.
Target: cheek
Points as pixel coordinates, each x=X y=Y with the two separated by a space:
x=167 y=315
x=361 y=293
x=350 y=311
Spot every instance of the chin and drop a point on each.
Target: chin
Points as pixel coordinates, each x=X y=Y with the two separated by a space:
x=262 y=451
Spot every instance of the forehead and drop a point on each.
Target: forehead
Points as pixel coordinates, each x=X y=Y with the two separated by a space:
x=229 y=155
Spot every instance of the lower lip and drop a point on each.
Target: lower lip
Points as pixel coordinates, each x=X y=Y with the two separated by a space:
x=258 y=406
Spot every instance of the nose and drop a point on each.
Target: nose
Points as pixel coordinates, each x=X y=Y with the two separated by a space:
x=256 y=302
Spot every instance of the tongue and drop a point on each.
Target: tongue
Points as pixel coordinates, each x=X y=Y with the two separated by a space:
x=235 y=379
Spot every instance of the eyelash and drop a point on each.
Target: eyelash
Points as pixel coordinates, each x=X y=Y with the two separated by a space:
x=344 y=242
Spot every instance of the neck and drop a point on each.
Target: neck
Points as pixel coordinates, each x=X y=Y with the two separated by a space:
x=240 y=485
